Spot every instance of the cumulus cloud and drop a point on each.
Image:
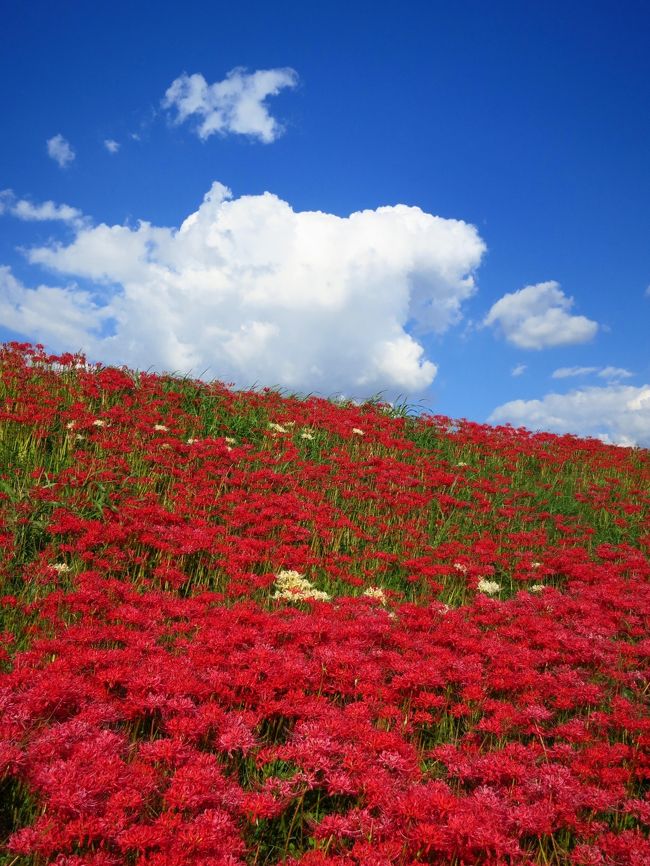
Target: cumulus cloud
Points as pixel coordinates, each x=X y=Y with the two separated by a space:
x=60 y=316
x=234 y=105
x=610 y=374
x=537 y=317
x=46 y=211
x=519 y=370
x=619 y=414
x=258 y=292
x=60 y=151
x=111 y=145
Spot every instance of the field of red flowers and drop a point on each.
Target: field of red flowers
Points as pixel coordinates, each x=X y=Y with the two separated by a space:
x=244 y=628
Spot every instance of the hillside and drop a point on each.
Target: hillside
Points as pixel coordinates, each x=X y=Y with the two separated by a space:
x=254 y=628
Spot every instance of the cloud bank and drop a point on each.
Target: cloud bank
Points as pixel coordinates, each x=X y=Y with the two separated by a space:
x=257 y=292
x=60 y=151
x=234 y=105
x=537 y=317
x=619 y=414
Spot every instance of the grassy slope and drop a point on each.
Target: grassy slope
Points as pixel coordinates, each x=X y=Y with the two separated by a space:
x=172 y=489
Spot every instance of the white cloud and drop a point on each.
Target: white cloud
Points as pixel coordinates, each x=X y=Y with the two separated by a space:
x=111 y=145
x=57 y=315
x=567 y=372
x=610 y=374
x=46 y=211
x=60 y=151
x=619 y=414
x=613 y=373
x=537 y=317
x=256 y=291
x=234 y=105
x=519 y=370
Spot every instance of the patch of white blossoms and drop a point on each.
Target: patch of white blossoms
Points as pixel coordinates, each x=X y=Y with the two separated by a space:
x=489 y=587
x=376 y=593
x=293 y=586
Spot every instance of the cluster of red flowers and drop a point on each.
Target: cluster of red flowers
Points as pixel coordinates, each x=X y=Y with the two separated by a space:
x=473 y=690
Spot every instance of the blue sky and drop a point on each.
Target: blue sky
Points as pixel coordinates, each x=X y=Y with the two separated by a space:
x=494 y=158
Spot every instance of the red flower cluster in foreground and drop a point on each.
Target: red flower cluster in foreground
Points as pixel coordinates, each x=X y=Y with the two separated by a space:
x=175 y=690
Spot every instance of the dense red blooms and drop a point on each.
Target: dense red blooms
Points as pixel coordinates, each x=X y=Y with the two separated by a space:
x=465 y=681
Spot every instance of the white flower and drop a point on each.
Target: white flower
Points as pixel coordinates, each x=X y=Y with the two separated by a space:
x=69 y=425
x=306 y=435
x=230 y=440
x=535 y=564
x=61 y=567
x=537 y=587
x=358 y=432
x=461 y=463
x=159 y=427
x=460 y=567
x=293 y=586
x=489 y=587
x=99 y=422
x=277 y=428
x=377 y=593
x=192 y=441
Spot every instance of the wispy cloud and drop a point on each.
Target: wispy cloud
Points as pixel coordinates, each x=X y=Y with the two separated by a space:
x=519 y=370
x=256 y=291
x=234 y=105
x=111 y=145
x=537 y=317
x=60 y=151
x=567 y=372
x=46 y=211
x=610 y=374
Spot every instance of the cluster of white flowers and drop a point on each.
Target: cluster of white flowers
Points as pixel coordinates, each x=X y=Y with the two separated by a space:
x=537 y=587
x=293 y=586
x=306 y=435
x=99 y=422
x=277 y=428
x=61 y=567
x=489 y=587
x=377 y=593
x=358 y=432
x=460 y=567
x=159 y=427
